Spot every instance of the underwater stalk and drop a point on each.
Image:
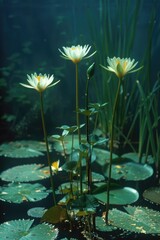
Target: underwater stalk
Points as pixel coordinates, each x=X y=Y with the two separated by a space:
x=47 y=147
x=111 y=147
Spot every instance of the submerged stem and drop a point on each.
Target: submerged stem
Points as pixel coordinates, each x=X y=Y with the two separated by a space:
x=47 y=147
x=111 y=146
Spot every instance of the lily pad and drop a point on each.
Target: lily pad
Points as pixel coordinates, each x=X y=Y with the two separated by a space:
x=70 y=142
x=21 y=230
x=96 y=177
x=152 y=194
x=130 y=171
x=25 y=173
x=22 y=149
x=37 y=212
x=23 y=192
x=102 y=226
x=119 y=196
x=135 y=157
x=66 y=187
x=55 y=215
x=103 y=156
x=138 y=219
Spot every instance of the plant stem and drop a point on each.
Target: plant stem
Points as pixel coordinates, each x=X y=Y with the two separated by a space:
x=88 y=159
x=47 y=147
x=77 y=104
x=111 y=147
x=78 y=126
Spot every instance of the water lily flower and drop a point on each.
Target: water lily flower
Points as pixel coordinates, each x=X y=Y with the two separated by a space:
x=121 y=66
x=55 y=167
x=39 y=82
x=76 y=53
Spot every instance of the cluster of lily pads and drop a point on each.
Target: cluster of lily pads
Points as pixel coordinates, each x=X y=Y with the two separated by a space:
x=94 y=179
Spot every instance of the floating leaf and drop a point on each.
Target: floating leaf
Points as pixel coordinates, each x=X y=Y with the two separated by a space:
x=21 y=230
x=66 y=187
x=22 y=192
x=55 y=215
x=22 y=149
x=120 y=196
x=85 y=202
x=102 y=226
x=96 y=177
x=103 y=156
x=25 y=173
x=37 y=212
x=152 y=194
x=135 y=157
x=130 y=171
x=70 y=142
x=138 y=219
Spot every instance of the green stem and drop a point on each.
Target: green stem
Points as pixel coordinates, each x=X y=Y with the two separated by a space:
x=111 y=146
x=78 y=125
x=88 y=159
x=77 y=104
x=47 y=147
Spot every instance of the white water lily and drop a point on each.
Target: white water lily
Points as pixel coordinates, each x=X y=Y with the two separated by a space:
x=55 y=167
x=121 y=66
x=76 y=53
x=39 y=82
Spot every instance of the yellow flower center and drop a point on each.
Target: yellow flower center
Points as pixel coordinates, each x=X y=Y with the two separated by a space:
x=38 y=78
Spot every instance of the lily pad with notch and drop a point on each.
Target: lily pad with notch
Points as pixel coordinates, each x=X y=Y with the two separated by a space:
x=25 y=173
x=22 y=230
x=23 y=192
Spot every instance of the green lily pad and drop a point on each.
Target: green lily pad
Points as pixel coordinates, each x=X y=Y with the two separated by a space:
x=130 y=171
x=138 y=219
x=21 y=230
x=102 y=226
x=22 y=149
x=119 y=196
x=36 y=212
x=55 y=214
x=96 y=177
x=152 y=194
x=66 y=187
x=103 y=156
x=70 y=142
x=25 y=173
x=23 y=192
x=135 y=157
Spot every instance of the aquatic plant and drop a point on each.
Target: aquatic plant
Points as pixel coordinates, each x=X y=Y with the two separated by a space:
x=40 y=83
x=120 y=67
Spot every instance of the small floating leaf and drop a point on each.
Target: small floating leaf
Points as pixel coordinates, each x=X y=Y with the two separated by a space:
x=152 y=194
x=25 y=173
x=37 y=212
x=55 y=215
x=22 y=192
x=21 y=230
